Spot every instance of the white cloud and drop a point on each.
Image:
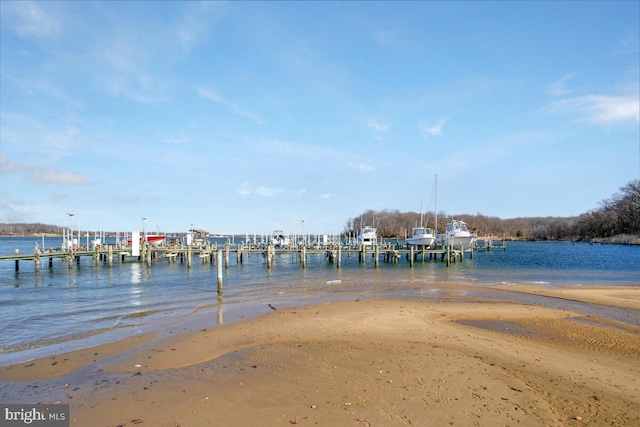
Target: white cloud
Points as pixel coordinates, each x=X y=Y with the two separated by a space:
x=379 y=126
x=599 y=109
x=558 y=88
x=213 y=95
x=246 y=189
x=433 y=130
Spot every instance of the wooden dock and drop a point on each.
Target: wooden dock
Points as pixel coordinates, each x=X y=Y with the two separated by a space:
x=215 y=253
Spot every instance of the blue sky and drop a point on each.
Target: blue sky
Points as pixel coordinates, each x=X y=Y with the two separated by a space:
x=244 y=117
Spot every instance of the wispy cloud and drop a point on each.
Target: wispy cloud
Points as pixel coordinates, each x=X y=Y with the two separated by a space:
x=263 y=191
x=60 y=195
x=630 y=42
x=434 y=129
x=361 y=167
x=599 y=109
x=41 y=174
x=211 y=94
x=56 y=177
x=31 y=19
x=379 y=126
x=559 y=87
x=194 y=24
x=247 y=189
x=8 y=167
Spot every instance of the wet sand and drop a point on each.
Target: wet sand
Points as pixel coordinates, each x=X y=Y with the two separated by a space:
x=360 y=362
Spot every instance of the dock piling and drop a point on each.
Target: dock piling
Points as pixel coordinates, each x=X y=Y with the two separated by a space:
x=219 y=266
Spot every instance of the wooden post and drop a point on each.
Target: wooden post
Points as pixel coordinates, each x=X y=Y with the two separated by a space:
x=339 y=256
x=226 y=254
x=448 y=255
x=376 y=256
x=189 y=256
x=110 y=256
x=269 y=255
x=303 y=257
x=219 y=262
x=411 y=256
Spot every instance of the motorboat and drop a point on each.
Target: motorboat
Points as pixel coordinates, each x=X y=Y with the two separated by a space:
x=152 y=239
x=368 y=236
x=421 y=236
x=278 y=239
x=457 y=234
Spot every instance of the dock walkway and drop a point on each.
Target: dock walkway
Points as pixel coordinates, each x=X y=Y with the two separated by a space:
x=387 y=252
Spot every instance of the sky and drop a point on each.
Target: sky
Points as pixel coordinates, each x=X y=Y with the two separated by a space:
x=245 y=117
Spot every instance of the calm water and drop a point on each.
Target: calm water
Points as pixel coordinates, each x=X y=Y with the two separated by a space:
x=60 y=309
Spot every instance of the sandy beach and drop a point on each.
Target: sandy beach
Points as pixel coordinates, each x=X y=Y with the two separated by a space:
x=360 y=362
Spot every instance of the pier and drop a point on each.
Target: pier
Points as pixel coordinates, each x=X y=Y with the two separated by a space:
x=222 y=253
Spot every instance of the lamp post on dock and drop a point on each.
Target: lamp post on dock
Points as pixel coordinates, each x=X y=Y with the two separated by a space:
x=71 y=214
x=144 y=228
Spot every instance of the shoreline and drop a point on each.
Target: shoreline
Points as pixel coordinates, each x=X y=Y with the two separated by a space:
x=359 y=361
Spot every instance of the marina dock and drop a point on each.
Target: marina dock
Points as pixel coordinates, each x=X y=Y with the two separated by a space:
x=222 y=253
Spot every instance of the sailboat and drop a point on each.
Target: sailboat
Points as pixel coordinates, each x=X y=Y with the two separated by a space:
x=421 y=236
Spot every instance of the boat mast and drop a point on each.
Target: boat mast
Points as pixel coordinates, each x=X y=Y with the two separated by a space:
x=435 y=204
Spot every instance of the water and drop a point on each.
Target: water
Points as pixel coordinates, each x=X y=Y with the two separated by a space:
x=62 y=309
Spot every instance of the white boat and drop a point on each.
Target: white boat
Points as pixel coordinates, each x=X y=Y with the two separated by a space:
x=457 y=234
x=421 y=236
x=368 y=236
x=279 y=239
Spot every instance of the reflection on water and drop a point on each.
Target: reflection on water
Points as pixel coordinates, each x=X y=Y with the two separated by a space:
x=136 y=272
x=220 y=309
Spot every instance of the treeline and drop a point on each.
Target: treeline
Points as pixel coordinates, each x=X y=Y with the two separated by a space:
x=25 y=229
x=616 y=220
x=619 y=215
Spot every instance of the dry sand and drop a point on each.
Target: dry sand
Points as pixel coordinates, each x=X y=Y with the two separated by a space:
x=359 y=363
